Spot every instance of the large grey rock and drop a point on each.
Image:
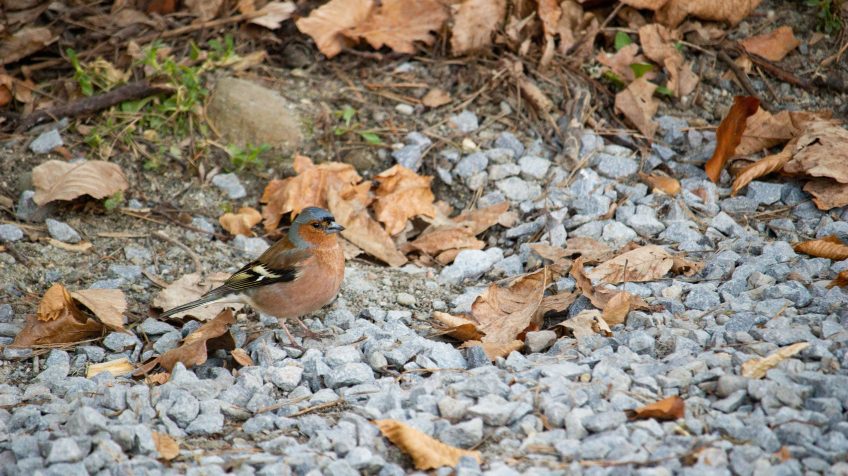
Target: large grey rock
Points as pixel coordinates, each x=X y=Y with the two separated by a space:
x=246 y=113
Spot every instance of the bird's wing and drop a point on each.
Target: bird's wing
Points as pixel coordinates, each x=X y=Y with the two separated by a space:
x=279 y=263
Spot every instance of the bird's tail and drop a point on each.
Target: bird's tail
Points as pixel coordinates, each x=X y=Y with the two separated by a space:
x=213 y=295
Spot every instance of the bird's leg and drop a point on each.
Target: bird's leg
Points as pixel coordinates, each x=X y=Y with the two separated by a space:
x=291 y=337
x=307 y=332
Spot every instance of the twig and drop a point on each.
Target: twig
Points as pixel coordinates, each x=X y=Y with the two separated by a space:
x=791 y=78
x=743 y=80
x=315 y=408
x=278 y=405
x=198 y=267
x=88 y=105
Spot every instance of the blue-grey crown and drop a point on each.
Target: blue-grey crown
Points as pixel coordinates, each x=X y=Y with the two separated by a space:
x=309 y=214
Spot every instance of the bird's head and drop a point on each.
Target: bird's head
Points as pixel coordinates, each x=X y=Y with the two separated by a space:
x=314 y=226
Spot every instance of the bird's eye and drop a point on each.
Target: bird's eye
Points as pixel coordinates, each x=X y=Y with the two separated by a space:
x=316 y=225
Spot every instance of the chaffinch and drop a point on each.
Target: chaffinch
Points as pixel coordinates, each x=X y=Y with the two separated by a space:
x=299 y=274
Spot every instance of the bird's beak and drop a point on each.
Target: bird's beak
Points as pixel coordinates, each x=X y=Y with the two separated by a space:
x=334 y=228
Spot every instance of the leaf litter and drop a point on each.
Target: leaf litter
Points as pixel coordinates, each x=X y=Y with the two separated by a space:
x=426 y=452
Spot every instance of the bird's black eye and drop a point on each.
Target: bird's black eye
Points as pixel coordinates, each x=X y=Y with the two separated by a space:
x=316 y=225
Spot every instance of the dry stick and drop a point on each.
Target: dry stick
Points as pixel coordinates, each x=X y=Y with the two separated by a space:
x=743 y=80
x=198 y=268
x=88 y=105
x=791 y=78
x=321 y=406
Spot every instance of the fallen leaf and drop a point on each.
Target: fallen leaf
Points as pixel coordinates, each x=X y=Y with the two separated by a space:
x=158 y=378
x=162 y=7
x=658 y=43
x=668 y=185
x=757 y=368
x=426 y=452
x=503 y=313
x=80 y=247
x=455 y=238
x=58 y=320
x=457 y=327
x=729 y=134
x=548 y=252
x=557 y=302
x=668 y=409
x=638 y=105
x=827 y=193
x=117 y=368
x=617 y=309
x=592 y=251
x=326 y=24
x=167 y=447
x=549 y=12
x=58 y=180
x=764 y=130
x=360 y=229
x=204 y=10
x=830 y=247
x=240 y=223
x=681 y=265
x=822 y=151
x=190 y=287
x=481 y=219
x=310 y=187
x=474 y=23
x=841 y=280
x=774 y=45
x=241 y=357
x=647 y=263
x=24 y=42
x=645 y=4
x=730 y=11
x=398 y=24
x=107 y=306
x=274 y=14
x=586 y=323
x=212 y=335
x=761 y=168
x=494 y=350
x=436 y=97
x=402 y=195
x=600 y=297
x=620 y=61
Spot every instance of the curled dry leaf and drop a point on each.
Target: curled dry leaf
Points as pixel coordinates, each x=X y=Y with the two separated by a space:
x=212 y=335
x=586 y=323
x=774 y=45
x=240 y=223
x=617 y=308
x=638 y=105
x=443 y=239
x=167 y=447
x=117 y=368
x=658 y=43
x=107 y=306
x=241 y=357
x=398 y=24
x=730 y=11
x=190 y=287
x=426 y=452
x=827 y=193
x=204 y=10
x=401 y=195
x=474 y=24
x=158 y=378
x=591 y=250
x=435 y=98
x=327 y=23
x=557 y=302
x=667 y=409
x=729 y=134
x=620 y=61
x=58 y=180
x=481 y=219
x=764 y=130
x=457 y=327
x=822 y=151
x=668 y=185
x=761 y=168
x=757 y=368
x=645 y=4
x=274 y=14
x=830 y=247
x=310 y=187
x=841 y=280
x=494 y=350
x=647 y=263
x=504 y=313
x=23 y=43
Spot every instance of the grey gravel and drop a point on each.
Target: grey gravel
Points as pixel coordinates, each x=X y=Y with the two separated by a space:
x=46 y=142
x=230 y=185
x=62 y=231
x=9 y=232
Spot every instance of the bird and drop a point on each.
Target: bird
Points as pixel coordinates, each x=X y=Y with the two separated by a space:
x=299 y=274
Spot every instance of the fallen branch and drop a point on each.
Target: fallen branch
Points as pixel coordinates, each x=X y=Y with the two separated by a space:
x=92 y=104
x=743 y=80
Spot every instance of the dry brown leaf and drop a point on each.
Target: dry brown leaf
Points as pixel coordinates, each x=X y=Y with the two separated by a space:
x=167 y=447
x=822 y=151
x=435 y=242
x=638 y=105
x=550 y=13
x=573 y=25
x=757 y=368
x=729 y=134
x=426 y=452
x=841 y=280
x=401 y=195
x=592 y=251
x=474 y=23
x=667 y=409
x=435 y=98
x=686 y=267
x=647 y=263
x=398 y=24
x=240 y=223
x=58 y=180
x=557 y=302
x=586 y=323
x=190 y=287
x=827 y=193
x=645 y=4
x=310 y=187
x=327 y=23
x=274 y=14
x=668 y=185
x=730 y=11
x=830 y=247
x=457 y=327
x=80 y=247
x=658 y=43
x=194 y=349
x=158 y=378
x=764 y=130
x=774 y=45
x=241 y=357
x=351 y=211
x=617 y=309
x=761 y=168
x=204 y=10
x=600 y=297
x=505 y=312
x=494 y=350
x=23 y=43
x=117 y=368
x=620 y=61
x=57 y=320
x=106 y=305
x=481 y=219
